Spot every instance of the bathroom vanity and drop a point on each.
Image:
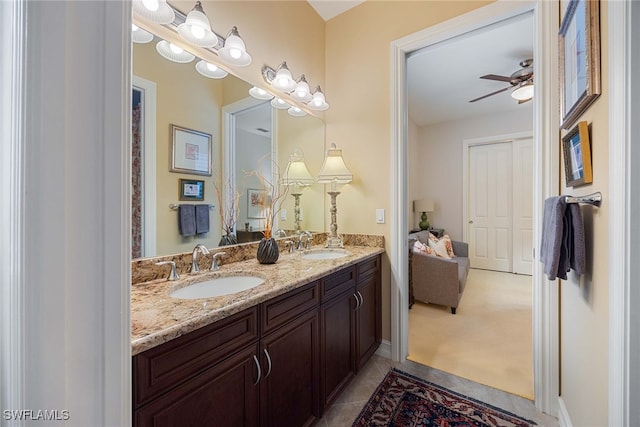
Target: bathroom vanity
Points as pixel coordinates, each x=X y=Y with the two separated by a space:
x=276 y=355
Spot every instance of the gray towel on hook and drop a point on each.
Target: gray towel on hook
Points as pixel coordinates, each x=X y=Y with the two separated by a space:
x=552 y=235
x=577 y=250
x=202 y=219
x=187 y=220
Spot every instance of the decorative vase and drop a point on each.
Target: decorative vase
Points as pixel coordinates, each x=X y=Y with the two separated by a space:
x=268 y=251
x=228 y=239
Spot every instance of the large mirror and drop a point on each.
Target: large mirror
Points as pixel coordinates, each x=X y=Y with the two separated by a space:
x=241 y=130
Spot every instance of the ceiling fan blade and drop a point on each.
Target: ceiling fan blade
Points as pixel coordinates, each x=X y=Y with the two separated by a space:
x=497 y=77
x=491 y=94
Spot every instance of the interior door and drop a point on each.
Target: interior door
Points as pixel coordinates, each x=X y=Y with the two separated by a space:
x=523 y=206
x=490 y=206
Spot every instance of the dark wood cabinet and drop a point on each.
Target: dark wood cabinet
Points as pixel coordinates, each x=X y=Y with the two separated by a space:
x=280 y=363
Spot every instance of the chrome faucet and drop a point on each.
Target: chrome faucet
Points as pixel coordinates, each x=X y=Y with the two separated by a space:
x=289 y=244
x=173 y=275
x=194 y=256
x=216 y=257
x=280 y=231
x=308 y=236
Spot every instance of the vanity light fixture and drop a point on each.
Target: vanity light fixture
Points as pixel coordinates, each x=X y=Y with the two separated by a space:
x=210 y=70
x=297 y=175
x=173 y=53
x=138 y=35
x=334 y=171
x=296 y=112
x=283 y=80
x=234 y=51
x=318 y=101
x=259 y=93
x=301 y=92
x=157 y=11
x=196 y=29
x=279 y=104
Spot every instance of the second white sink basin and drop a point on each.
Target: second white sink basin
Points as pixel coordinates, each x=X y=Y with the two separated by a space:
x=217 y=287
x=325 y=254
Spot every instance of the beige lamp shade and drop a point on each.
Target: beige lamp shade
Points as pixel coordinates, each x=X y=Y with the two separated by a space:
x=297 y=172
x=334 y=170
x=423 y=205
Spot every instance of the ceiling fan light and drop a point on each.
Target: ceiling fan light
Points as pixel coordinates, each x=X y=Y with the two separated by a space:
x=196 y=29
x=157 y=11
x=523 y=92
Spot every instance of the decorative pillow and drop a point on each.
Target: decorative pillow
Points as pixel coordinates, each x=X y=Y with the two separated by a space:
x=418 y=246
x=448 y=245
x=439 y=247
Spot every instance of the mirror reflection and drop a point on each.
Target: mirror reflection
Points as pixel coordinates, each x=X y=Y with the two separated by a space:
x=242 y=131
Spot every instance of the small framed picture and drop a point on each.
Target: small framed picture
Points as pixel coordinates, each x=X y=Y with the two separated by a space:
x=190 y=151
x=577 y=156
x=191 y=189
x=256 y=203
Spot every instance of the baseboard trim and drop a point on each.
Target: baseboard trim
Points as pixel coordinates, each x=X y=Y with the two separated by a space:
x=563 y=415
x=385 y=349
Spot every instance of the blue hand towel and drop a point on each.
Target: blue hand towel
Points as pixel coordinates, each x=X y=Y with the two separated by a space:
x=202 y=219
x=187 y=220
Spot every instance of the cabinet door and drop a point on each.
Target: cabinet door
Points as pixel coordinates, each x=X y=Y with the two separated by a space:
x=338 y=345
x=225 y=395
x=289 y=389
x=368 y=318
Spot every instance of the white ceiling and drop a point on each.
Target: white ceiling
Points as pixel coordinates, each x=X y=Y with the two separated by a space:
x=442 y=78
x=328 y=9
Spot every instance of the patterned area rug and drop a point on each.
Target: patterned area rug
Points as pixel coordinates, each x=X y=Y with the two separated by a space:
x=402 y=400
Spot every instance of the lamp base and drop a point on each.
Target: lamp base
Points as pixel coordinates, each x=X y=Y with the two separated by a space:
x=334 y=242
x=424 y=222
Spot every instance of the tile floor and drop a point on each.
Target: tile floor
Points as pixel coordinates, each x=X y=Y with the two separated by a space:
x=348 y=406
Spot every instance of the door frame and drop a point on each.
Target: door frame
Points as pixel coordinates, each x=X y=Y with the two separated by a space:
x=466 y=147
x=546 y=181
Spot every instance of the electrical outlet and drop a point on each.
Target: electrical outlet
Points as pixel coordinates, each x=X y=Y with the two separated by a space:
x=380 y=216
x=283 y=215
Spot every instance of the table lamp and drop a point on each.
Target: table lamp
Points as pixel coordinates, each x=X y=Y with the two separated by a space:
x=334 y=172
x=424 y=206
x=297 y=176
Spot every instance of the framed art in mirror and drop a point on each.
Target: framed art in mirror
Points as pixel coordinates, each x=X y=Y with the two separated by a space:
x=256 y=202
x=577 y=156
x=191 y=189
x=190 y=151
x=579 y=54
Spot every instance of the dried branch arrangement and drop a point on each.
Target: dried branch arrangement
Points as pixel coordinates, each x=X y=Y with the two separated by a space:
x=229 y=211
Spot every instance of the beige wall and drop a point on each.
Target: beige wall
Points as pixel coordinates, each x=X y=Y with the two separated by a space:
x=585 y=300
x=358 y=82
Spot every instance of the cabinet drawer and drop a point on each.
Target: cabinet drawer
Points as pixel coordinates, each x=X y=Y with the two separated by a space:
x=284 y=308
x=368 y=267
x=338 y=282
x=161 y=368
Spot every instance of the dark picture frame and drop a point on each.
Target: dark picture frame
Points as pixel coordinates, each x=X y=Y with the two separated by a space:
x=579 y=55
x=576 y=149
x=190 y=151
x=191 y=189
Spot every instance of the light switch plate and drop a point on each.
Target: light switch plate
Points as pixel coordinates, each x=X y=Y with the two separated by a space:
x=380 y=216
x=283 y=215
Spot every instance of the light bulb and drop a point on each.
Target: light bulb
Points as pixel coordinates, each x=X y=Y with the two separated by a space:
x=283 y=81
x=197 y=31
x=175 y=49
x=211 y=67
x=151 y=5
x=235 y=53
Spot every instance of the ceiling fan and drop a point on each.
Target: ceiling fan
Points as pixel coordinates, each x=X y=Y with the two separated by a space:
x=521 y=80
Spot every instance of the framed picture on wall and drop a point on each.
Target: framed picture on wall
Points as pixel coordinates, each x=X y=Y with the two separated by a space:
x=190 y=151
x=256 y=202
x=191 y=189
x=577 y=156
x=579 y=54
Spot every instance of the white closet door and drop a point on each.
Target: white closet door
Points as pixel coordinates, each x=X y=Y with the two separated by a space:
x=490 y=206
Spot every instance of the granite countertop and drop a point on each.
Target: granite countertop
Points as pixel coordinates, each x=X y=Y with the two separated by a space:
x=157 y=318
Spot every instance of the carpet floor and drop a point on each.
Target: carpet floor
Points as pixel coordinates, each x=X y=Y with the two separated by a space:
x=489 y=340
x=404 y=400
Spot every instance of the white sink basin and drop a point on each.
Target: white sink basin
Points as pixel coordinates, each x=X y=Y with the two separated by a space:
x=325 y=254
x=217 y=287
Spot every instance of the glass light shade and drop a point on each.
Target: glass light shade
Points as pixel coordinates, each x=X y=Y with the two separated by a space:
x=157 y=11
x=210 y=70
x=138 y=35
x=173 y=53
x=302 y=92
x=279 y=104
x=234 y=51
x=334 y=170
x=259 y=93
x=196 y=29
x=318 y=101
x=423 y=205
x=296 y=112
x=523 y=92
x=297 y=172
x=283 y=81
